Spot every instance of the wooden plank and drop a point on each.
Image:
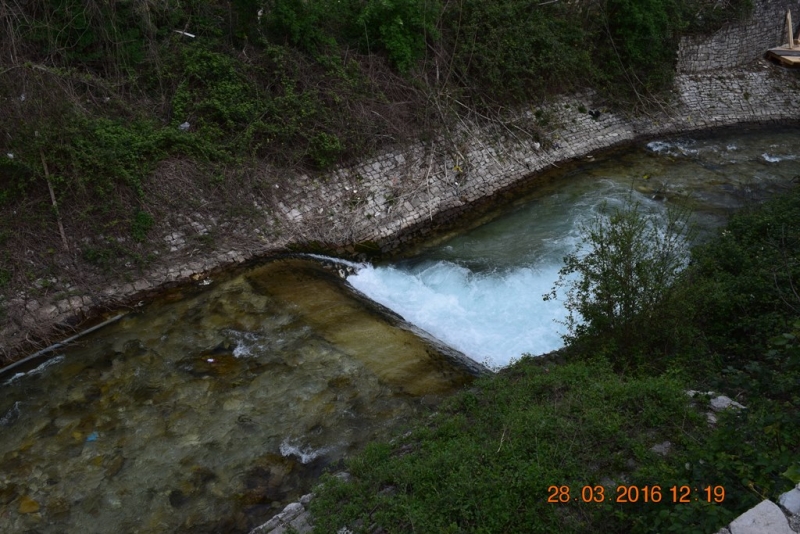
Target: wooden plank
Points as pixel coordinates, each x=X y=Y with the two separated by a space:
x=792 y=60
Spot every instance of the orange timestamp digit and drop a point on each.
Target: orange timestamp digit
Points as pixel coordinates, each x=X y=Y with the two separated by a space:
x=558 y=494
x=561 y=494
x=683 y=494
x=631 y=494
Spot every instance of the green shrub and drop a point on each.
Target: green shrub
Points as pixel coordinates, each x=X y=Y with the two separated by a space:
x=616 y=282
x=325 y=150
x=400 y=28
x=142 y=222
x=310 y=25
x=106 y=38
x=643 y=40
x=749 y=273
x=513 y=50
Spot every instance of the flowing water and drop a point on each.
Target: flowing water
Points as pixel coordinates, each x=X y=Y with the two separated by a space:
x=209 y=409
x=481 y=291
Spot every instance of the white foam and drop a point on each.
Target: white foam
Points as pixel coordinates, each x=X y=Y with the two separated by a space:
x=246 y=343
x=675 y=148
x=496 y=316
x=491 y=317
x=777 y=159
x=354 y=265
x=38 y=370
x=11 y=415
x=304 y=454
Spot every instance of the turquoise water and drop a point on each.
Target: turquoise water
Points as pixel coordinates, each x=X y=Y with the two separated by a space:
x=481 y=291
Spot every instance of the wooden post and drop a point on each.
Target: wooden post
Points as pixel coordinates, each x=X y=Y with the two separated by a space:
x=789 y=28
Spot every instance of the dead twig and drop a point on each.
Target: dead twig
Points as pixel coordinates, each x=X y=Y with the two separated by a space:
x=55 y=204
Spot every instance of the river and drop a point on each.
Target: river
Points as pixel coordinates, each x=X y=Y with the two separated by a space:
x=210 y=408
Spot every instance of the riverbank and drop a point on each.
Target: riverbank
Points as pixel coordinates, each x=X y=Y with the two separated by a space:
x=677 y=418
x=193 y=226
x=379 y=205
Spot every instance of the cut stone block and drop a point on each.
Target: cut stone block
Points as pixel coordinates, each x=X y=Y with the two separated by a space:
x=791 y=501
x=766 y=518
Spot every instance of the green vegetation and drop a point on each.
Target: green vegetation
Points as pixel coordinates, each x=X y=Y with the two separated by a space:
x=492 y=456
x=99 y=98
x=130 y=111
x=619 y=282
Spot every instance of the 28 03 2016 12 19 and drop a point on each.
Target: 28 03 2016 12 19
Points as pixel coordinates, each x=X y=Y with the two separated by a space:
x=625 y=494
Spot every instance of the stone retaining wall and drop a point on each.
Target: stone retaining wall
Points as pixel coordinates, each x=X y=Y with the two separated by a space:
x=741 y=43
x=387 y=200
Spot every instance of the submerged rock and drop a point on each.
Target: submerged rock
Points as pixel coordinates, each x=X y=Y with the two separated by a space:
x=27 y=505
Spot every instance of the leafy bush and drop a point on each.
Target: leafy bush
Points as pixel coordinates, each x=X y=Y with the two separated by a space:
x=324 y=150
x=106 y=38
x=749 y=273
x=142 y=222
x=310 y=25
x=214 y=94
x=622 y=273
x=643 y=40
x=512 y=49
x=400 y=28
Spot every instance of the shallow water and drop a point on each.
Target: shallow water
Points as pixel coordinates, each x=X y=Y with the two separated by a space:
x=481 y=291
x=211 y=409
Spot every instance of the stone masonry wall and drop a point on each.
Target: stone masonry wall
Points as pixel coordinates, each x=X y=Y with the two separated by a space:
x=397 y=196
x=741 y=43
x=384 y=198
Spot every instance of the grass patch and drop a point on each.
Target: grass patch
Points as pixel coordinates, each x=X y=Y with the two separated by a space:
x=487 y=459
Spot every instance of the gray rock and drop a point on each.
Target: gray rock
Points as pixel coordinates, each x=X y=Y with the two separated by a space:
x=661 y=448
x=794 y=523
x=723 y=403
x=284 y=520
x=765 y=518
x=791 y=501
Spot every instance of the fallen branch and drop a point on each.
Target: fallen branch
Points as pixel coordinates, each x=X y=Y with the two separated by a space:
x=55 y=204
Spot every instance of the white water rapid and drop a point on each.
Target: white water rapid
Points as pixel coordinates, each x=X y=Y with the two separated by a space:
x=481 y=292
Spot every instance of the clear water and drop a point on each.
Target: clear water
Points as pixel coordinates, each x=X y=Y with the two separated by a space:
x=209 y=410
x=481 y=291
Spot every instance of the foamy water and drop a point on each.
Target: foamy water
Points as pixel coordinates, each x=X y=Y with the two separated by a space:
x=482 y=292
x=492 y=317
